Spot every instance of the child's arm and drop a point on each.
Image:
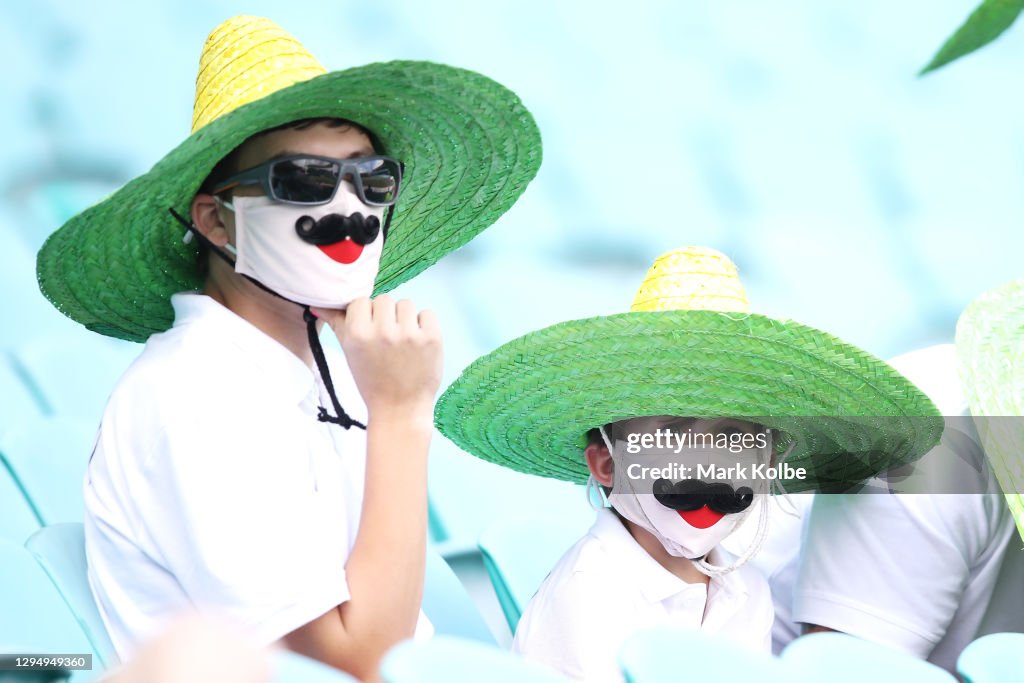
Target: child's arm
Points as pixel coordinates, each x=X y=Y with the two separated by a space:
x=395 y=357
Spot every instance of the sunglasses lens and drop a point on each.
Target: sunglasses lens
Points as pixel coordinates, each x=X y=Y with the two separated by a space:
x=304 y=181
x=380 y=181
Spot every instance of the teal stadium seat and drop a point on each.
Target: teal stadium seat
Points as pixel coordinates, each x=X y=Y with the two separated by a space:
x=18 y=520
x=27 y=314
x=995 y=658
x=520 y=552
x=18 y=402
x=446 y=659
x=34 y=619
x=448 y=605
x=47 y=457
x=667 y=655
x=75 y=375
x=60 y=551
x=841 y=658
x=467 y=494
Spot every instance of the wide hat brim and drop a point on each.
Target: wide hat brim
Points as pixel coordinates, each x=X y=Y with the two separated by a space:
x=469 y=146
x=529 y=404
x=990 y=351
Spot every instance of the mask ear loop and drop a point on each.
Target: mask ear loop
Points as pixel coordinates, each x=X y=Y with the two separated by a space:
x=611 y=450
x=596 y=493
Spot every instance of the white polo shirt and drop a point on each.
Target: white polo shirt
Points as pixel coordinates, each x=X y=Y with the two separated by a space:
x=607 y=586
x=925 y=573
x=213 y=486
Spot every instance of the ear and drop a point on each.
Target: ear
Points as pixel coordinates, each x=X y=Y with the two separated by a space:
x=600 y=462
x=206 y=218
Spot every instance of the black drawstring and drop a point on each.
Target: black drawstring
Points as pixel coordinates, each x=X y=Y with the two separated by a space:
x=341 y=417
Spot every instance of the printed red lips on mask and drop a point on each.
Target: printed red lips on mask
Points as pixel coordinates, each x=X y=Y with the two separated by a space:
x=346 y=251
x=701 y=518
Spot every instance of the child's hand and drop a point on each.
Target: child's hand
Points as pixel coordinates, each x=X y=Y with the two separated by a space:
x=395 y=355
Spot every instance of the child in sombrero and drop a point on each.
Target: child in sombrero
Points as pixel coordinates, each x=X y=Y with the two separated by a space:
x=687 y=411
x=231 y=472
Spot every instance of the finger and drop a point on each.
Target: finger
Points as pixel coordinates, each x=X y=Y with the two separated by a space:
x=357 y=317
x=359 y=310
x=331 y=316
x=384 y=312
x=405 y=314
x=429 y=324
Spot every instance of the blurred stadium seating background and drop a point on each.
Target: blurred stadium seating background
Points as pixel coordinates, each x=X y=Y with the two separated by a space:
x=792 y=135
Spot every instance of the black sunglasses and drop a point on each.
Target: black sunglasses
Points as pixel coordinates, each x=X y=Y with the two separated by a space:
x=308 y=179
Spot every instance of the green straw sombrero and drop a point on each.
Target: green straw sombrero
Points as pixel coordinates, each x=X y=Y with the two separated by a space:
x=990 y=351
x=468 y=144
x=689 y=347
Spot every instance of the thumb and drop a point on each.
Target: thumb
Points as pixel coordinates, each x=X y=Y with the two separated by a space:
x=333 y=317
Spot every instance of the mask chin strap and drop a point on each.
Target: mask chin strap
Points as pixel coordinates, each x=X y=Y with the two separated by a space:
x=708 y=569
x=340 y=417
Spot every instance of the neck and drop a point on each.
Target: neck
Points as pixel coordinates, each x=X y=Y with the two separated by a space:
x=679 y=566
x=278 y=319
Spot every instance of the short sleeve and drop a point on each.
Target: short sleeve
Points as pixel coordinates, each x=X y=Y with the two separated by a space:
x=236 y=512
x=881 y=567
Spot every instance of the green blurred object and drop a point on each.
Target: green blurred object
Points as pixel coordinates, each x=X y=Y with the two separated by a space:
x=985 y=24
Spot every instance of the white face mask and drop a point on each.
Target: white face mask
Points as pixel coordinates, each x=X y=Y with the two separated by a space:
x=677 y=536
x=688 y=534
x=270 y=251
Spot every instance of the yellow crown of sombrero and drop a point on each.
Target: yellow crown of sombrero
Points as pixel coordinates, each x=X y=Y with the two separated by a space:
x=468 y=145
x=245 y=59
x=692 y=279
x=689 y=346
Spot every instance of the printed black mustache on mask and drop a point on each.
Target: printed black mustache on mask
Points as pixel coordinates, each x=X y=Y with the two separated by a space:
x=693 y=494
x=334 y=227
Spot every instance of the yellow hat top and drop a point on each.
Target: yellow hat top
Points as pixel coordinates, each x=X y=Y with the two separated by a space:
x=244 y=59
x=693 y=279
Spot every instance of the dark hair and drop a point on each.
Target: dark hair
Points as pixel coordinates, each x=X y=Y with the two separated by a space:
x=594 y=435
x=228 y=166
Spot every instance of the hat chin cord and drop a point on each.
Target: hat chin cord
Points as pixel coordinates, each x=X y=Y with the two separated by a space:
x=702 y=565
x=760 y=535
x=340 y=417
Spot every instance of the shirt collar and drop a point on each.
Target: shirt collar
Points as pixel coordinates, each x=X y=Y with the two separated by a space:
x=278 y=366
x=654 y=581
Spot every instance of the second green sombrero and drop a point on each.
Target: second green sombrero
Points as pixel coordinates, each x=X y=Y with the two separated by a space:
x=689 y=347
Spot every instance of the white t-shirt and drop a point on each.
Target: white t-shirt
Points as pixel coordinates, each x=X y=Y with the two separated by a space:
x=213 y=486
x=607 y=586
x=924 y=573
